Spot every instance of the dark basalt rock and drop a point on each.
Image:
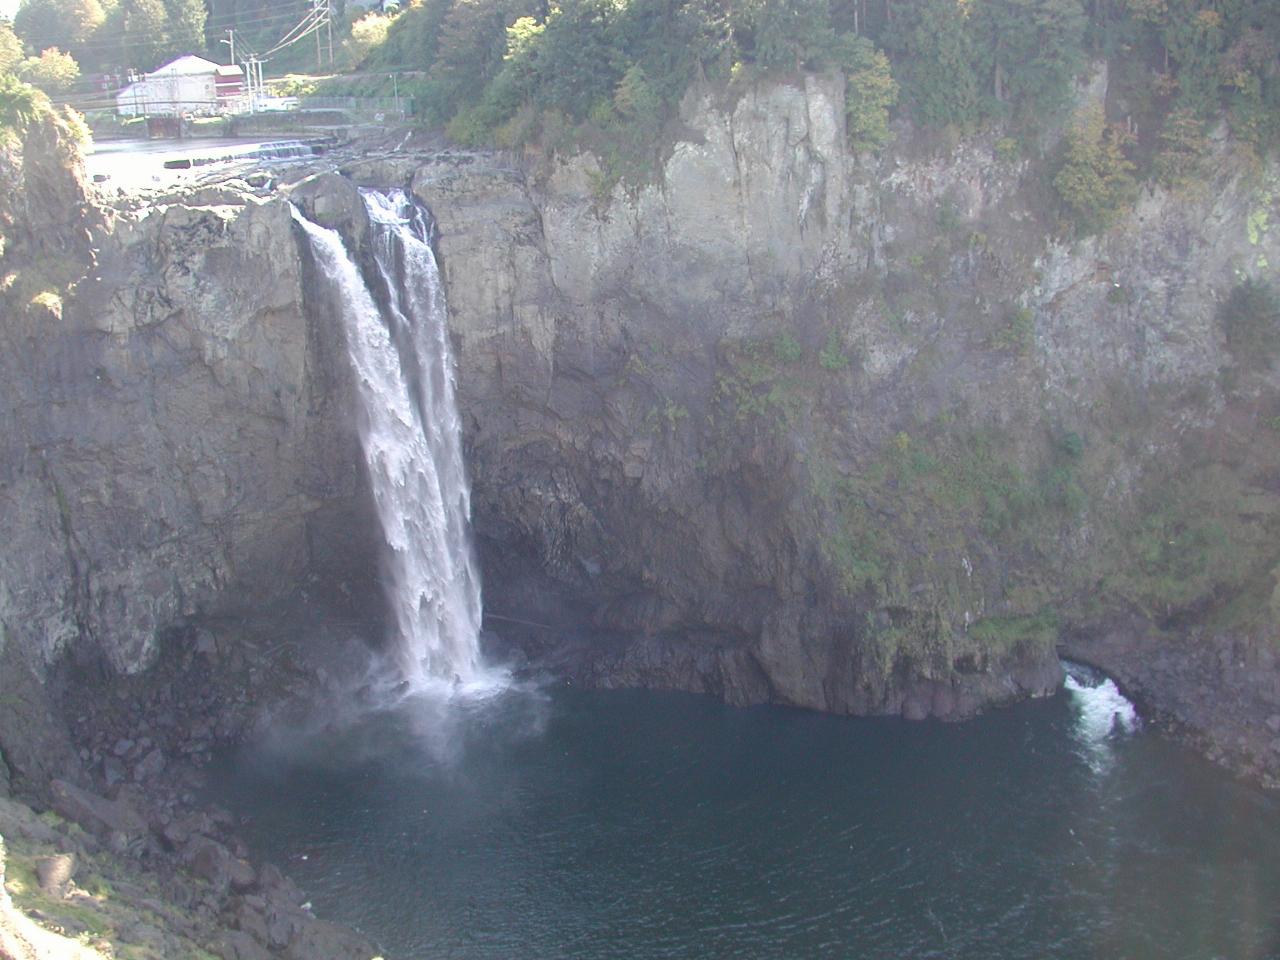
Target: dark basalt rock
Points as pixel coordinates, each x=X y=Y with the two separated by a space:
x=102 y=817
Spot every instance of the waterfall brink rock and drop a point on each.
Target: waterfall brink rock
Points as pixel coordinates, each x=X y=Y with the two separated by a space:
x=411 y=434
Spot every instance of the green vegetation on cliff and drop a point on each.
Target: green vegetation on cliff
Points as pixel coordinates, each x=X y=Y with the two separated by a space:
x=591 y=71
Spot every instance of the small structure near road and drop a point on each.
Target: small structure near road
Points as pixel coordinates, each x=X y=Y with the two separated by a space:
x=188 y=86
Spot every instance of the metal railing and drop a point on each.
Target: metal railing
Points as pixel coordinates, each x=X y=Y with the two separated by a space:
x=361 y=104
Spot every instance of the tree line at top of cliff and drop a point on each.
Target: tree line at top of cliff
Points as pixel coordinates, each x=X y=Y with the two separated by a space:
x=608 y=73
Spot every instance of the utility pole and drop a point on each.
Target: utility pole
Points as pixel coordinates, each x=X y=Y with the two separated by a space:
x=328 y=26
x=322 y=17
x=231 y=39
x=253 y=78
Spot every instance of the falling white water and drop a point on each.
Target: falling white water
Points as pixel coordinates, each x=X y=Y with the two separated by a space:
x=1103 y=714
x=411 y=434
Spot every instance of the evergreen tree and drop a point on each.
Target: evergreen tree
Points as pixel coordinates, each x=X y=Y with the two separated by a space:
x=935 y=55
x=581 y=64
x=1194 y=39
x=788 y=34
x=1184 y=149
x=471 y=47
x=413 y=37
x=1253 y=84
x=1030 y=50
x=20 y=105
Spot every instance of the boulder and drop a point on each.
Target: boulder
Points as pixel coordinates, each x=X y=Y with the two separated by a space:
x=238 y=945
x=319 y=938
x=180 y=831
x=98 y=815
x=214 y=862
x=56 y=873
x=150 y=766
x=19 y=820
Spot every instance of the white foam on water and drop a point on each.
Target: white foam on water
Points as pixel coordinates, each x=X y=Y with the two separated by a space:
x=1103 y=716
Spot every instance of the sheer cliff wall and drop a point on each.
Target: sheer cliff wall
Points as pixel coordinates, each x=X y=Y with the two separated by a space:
x=787 y=424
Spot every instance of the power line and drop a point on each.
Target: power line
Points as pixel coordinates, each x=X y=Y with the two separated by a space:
x=106 y=40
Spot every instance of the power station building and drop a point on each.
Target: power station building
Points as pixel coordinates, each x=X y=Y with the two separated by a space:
x=190 y=86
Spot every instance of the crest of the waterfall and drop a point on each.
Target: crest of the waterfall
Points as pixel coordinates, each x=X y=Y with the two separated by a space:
x=398 y=341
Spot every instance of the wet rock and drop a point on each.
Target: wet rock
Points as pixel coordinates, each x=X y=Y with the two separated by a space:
x=915 y=707
x=278 y=887
x=98 y=815
x=54 y=874
x=283 y=925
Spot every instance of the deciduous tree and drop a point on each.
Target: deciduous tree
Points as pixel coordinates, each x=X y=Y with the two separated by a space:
x=1095 y=181
x=53 y=71
x=870 y=93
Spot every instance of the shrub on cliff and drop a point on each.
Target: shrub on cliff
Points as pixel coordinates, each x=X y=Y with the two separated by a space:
x=20 y=104
x=1095 y=180
x=10 y=48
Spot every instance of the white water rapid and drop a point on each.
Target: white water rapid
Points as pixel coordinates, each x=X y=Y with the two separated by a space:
x=398 y=342
x=1103 y=714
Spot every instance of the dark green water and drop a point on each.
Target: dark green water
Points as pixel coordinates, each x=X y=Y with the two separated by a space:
x=643 y=825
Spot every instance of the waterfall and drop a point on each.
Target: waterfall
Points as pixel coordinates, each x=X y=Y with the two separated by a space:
x=398 y=342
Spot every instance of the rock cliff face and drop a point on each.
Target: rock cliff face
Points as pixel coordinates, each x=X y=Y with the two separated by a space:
x=792 y=425
x=787 y=424
x=177 y=444
x=864 y=437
